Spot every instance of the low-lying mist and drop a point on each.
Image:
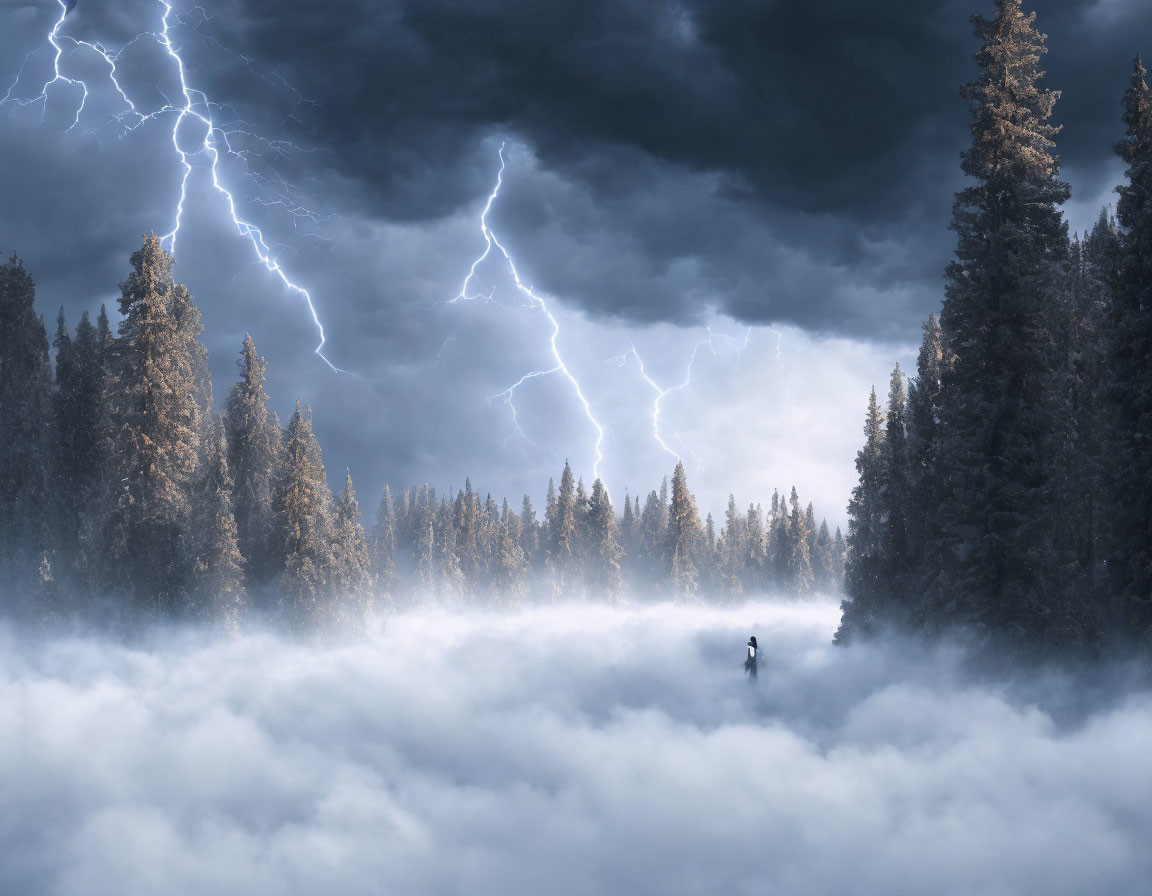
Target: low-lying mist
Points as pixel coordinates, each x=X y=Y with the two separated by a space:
x=570 y=749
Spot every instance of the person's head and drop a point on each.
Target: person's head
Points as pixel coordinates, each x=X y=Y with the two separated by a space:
x=752 y=640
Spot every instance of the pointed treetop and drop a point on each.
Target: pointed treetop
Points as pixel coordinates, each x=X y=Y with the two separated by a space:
x=1137 y=115
x=1012 y=135
x=348 y=506
x=896 y=395
x=874 y=421
x=151 y=276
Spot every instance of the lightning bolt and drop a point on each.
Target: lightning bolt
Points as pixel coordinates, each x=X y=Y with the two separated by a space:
x=469 y=293
x=215 y=142
x=780 y=360
x=193 y=106
x=662 y=393
x=659 y=424
x=58 y=76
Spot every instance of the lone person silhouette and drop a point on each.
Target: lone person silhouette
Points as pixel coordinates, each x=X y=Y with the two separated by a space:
x=750 y=662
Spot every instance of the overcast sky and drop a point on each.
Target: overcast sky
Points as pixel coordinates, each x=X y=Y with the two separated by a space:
x=767 y=184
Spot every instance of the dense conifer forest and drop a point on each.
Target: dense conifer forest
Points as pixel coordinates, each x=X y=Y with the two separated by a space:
x=121 y=482
x=1008 y=489
x=1003 y=488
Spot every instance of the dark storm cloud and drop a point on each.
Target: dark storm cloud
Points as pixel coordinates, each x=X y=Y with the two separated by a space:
x=815 y=107
x=828 y=131
x=782 y=162
x=791 y=157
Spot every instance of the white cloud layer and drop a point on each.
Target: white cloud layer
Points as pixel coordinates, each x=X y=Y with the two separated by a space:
x=560 y=750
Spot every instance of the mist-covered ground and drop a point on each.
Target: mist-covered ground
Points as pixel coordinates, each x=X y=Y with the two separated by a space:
x=562 y=750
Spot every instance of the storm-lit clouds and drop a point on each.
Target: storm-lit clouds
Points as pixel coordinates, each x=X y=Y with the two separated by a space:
x=671 y=167
x=561 y=750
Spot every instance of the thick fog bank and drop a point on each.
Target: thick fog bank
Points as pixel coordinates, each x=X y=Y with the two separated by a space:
x=568 y=750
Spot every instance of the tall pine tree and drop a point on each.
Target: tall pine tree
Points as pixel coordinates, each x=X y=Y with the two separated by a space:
x=562 y=535
x=351 y=575
x=684 y=534
x=604 y=551
x=254 y=457
x=924 y=471
x=219 y=567
x=866 y=608
x=896 y=495
x=304 y=525
x=384 y=544
x=1006 y=322
x=155 y=394
x=26 y=436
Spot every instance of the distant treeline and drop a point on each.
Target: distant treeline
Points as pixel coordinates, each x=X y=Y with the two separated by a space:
x=118 y=479
x=1010 y=490
x=459 y=545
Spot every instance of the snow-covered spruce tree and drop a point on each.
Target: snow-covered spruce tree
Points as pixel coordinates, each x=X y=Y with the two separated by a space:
x=778 y=554
x=732 y=550
x=709 y=557
x=812 y=530
x=629 y=520
x=634 y=548
x=799 y=559
x=426 y=563
x=755 y=550
x=155 y=397
x=582 y=505
x=529 y=534
x=509 y=566
x=550 y=505
x=467 y=524
x=193 y=354
x=384 y=544
x=451 y=578
x=489 y=534
x=254 y=446
x=218 y=589
x=304 y=525
x=659 y=547
x=26 y=456
x=351 y=582
x=562 y=535
x=1007 y=322
x=867 y=607
x=652 y=569
x=684 y=534
x=824 y=561
x=604 y=551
